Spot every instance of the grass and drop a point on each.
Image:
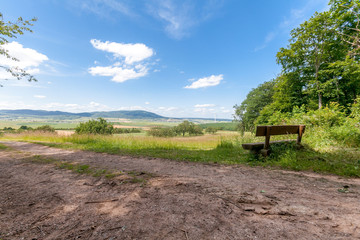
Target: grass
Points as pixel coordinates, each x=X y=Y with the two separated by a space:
x=3 y=147
x=319 y=154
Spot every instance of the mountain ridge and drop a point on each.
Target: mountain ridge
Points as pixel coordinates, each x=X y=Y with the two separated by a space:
x=128 y=114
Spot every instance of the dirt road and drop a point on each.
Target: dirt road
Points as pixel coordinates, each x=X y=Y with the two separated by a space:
x=181 y=200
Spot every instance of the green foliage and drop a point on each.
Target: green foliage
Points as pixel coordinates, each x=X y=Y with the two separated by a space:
x=183 y=128
x=188 y=127
x=126 y=130
x=45 y=128
x=100 y=126
x=249 y=110
x=161 y=132
x=23 y=127
x=211 y=130
x=10 y=30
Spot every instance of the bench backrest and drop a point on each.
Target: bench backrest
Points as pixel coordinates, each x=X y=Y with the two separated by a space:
x=279 y=130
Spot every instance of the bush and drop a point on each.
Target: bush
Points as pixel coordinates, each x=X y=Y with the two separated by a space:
x=211 y=130
x=25 y=128
x=161 y=132
x=100 y=126
x=45 y=128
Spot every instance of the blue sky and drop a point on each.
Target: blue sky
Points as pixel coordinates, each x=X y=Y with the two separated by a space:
x=176 y=58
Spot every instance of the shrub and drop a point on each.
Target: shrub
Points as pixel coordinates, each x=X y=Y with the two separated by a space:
x=45 y=128
x=100 y=126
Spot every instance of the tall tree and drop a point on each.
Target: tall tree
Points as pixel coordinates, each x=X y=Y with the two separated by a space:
x=9 y=30
x=347 y=15
x=249 y=110
x=313 y=46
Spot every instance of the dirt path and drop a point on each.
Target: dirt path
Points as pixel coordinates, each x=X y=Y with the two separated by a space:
x=181 y=201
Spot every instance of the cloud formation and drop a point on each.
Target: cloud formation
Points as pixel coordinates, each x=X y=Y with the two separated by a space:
x=180 y=16
x=29 y=59
x=39 y=96
x=130 y=60
x=131 y=52
x=293 y=19
x=177 y=17
x=211 y=81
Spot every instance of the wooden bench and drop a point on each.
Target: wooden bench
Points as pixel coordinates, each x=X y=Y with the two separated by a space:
x=267 y=131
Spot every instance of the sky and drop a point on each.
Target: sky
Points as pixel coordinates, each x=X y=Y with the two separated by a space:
x=176 y=58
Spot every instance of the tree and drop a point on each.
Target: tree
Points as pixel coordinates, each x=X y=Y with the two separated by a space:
x=211 y=130
x=100 y=126
x=313 y=46
x=188 y=127
x=45 y=128
x=184 y=127
x=9 y=30
x=249 y=110
x=347 y=15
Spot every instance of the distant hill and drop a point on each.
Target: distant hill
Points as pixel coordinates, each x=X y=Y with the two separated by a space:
x=27 y=113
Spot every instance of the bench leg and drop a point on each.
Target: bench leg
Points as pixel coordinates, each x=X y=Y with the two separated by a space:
x=265 y=152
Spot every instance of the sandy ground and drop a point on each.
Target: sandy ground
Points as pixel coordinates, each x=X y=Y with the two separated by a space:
x=180 y=201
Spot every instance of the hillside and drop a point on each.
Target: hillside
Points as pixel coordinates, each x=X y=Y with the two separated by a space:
x=27 y=113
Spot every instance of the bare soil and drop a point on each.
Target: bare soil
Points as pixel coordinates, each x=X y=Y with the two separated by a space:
x=181 y=200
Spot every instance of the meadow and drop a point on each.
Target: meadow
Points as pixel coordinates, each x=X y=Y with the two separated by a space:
x=320 y=154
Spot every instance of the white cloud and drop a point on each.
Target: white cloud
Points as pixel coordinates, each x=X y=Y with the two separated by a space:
x=294 y=18
x=74 y=107
x=103 y=8
x=213 y=80
x=147 y=103
x=39 y=96
x=29 y=59
x=167 y=109
x=204 y=105
x=181 y=16
x=131 y=52
x=130 y=62
x=118 y=74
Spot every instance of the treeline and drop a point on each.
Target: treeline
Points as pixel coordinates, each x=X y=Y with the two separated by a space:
x=44 y=128
x=320 y=75
x=184 y=128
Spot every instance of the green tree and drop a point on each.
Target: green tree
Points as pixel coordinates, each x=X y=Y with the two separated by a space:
x=313 y=46
x=249 y=110
x=183 y=127
x=45 y=128
x=211 y=130
x=100 y=126
x=9 y=30
x=188 y=127
x=347 y=15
